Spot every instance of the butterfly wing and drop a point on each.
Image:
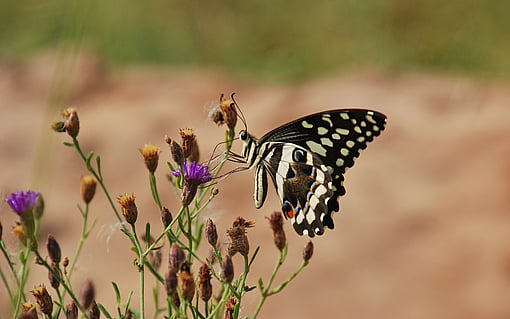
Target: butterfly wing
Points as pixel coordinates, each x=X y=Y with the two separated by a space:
x=307 y=158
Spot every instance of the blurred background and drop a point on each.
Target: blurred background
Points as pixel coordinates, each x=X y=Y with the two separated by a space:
x=423 y=230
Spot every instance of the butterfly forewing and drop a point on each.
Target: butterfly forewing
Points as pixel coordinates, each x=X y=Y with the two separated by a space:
x=307 y=158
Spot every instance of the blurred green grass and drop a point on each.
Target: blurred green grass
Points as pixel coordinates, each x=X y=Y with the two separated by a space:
x=277 y=39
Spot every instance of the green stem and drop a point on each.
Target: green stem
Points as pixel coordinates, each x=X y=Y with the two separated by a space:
x=24 y=275
x=154 y=190
x=141 y=267
x=240 y=288
x=11 y=267
x=83 y=237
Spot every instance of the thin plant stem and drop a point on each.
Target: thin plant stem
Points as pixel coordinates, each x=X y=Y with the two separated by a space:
x=240 y=288
x=4 y=278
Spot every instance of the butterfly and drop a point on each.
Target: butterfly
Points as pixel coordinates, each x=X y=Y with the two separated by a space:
x=306 y=159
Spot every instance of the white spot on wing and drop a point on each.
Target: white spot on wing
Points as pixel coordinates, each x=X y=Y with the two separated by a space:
x=305 y=124
x=339 y=162
x=361 y=139
x=350 y=144
x=335 y=136
x=322 y=130
x=357 y=129
x=316 y=148
x=326 y=141
x=342 y=131
x=344 y=151
x=344 y=116
x=326 y=118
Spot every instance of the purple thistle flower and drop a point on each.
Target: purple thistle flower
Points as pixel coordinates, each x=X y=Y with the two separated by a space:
x=22 y=202
x=194 y=173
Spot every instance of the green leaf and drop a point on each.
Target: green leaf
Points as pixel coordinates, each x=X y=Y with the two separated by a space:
x=98 y=163
x=117 y=295
x=69 y=144
x=104 y=311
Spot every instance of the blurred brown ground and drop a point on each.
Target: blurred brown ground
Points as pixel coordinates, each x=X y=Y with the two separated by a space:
x=424 y=228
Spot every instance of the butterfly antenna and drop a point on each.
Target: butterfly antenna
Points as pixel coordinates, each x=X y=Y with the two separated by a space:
x=240 y=113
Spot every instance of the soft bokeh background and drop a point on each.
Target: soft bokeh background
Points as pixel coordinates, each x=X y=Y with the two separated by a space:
x=424 y=231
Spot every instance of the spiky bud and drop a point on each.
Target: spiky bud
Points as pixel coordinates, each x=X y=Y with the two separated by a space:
x=71 y=311
x=177 y=256
x=227 y=269
x=210 y=232
x=276 y=224
x=308 y=251
x=94 y=312
x=129 y=209
x=87 y=294
x=204 y=282
x=70 y=123
x=53 y=249
x=150 y=155
x=28 y=311
x=43 y=299
x=171 y=281
x=176 y=151
x=238 y=239
x=229 y=308
x=166 y=217
x=88 y=188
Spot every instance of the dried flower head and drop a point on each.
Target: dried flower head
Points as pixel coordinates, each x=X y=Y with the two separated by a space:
x=276 y=224
x=150 y=155
x=238 y=239
x=224 y=113
x=43 y=299
x=229 y=308
x=69 y=124
x=94 y=312
x=308 y=251
x=166 y=217
x=210 y=232
x=129 y=209
x=87 y=294
x=177 y=256
x=22 y=202
x=88 y=188
x=227 y=269
x=176 y=151
x=186 y=282
x=19 y=231
x=71 y=311
x=171 y=281
x=195 y=174
x=204 y=282
x=189 y=145
x=28 y=311
x=53 y=249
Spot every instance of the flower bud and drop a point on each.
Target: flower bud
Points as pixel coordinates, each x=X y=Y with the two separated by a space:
x=71 y=311
x=229 y=308
x=69 y=124
x=276 y=223
x=88 y=188
x=155 y=256
x=308 y=251
x=129 y=209
x=186 y=282
x=228 y=108
x=177 y=152
x=238 y=239
x=87 y=294
x=177 y=256
x=166 y=217
x=43 y=299
x=227 y=269
x=53 y=279
x=150 y=155
x=171 y=281
x=53 y=249
x=210 y=232
x=94 y=312
x=204 y=283
x=189 y=145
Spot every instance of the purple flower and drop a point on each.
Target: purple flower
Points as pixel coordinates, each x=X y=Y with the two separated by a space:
x=22 y=202
x=194 y=173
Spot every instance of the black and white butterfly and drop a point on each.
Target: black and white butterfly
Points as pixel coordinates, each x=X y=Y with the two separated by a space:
x=306 y=160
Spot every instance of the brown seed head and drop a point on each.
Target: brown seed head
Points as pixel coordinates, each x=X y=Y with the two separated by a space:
x=53 y=249
x=166 y=217
x=28 y=311
x=129 y=209
x=308 y=251
x=88 y=188
x=210 y=232
x=150 y=155
x=87 y=294
x=69 y=124
x=43 y=299
x=276 y=224
x=171 y=281
x=71 y=311
x=177 y=256
x=186 y=282
x=227 y=269
x=94 y=312
x=238 y=239
x=189 y=145
x=204 y=282
x=188 y=192
x=229 y=308
x=216 y=115
x=129 y=314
